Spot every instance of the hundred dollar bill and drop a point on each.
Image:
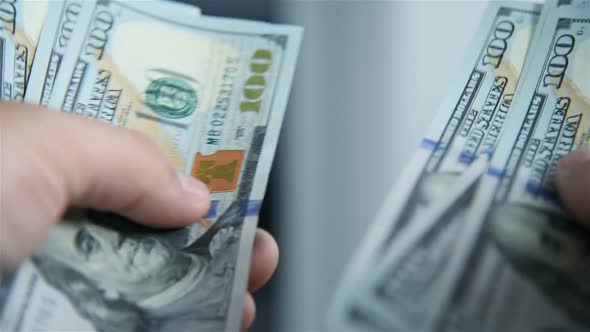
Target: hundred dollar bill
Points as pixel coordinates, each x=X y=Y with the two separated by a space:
x=517 y=240
x=404 y=291
x=66 y=22
x=409 y=283
x=467 y=124
x=211 y=92
x=20 y=23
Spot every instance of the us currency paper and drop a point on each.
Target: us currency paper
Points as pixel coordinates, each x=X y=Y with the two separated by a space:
x=211 y=92
x=467 y=125
x=66 y=22
x=523 y=263
x=408 y=285
x=20 y=23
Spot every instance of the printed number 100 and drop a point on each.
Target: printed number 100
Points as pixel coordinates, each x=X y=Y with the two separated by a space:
x=256 y=83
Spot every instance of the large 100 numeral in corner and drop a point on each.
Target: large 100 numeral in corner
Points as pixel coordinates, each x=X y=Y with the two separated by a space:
x=255 y=85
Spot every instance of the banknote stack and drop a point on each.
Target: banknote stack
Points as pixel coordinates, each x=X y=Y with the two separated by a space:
x=212 y=93
x=473 y=237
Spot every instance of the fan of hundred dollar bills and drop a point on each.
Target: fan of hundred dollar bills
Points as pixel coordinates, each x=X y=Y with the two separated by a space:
x=473 y=237
x=211 y=92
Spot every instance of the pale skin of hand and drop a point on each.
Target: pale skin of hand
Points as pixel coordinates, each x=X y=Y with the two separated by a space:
x=50 y=161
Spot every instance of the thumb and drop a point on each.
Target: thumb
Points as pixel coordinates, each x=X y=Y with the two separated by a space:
x=573 y=184
x=50 y=161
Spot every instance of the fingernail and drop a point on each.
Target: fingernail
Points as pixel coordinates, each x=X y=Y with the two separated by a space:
x=192 y=185
x=573 y=160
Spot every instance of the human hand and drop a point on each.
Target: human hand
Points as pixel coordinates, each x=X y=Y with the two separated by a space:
x=573 y=184
x=50 y=161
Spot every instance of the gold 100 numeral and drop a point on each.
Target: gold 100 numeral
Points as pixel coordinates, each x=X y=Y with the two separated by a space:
x=255 y=84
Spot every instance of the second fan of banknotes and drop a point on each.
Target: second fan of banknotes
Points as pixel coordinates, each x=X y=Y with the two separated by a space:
x=482 y=255
x=211 y=92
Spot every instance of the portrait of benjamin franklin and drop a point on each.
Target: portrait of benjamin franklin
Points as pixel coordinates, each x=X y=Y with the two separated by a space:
x=123 y=278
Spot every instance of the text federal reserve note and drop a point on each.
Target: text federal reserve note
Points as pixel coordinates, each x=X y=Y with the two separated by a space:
x=211 y=93
x=517 y=240
x=467 y=124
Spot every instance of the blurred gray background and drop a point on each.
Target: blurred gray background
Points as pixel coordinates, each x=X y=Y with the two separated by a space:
x=369 y=79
